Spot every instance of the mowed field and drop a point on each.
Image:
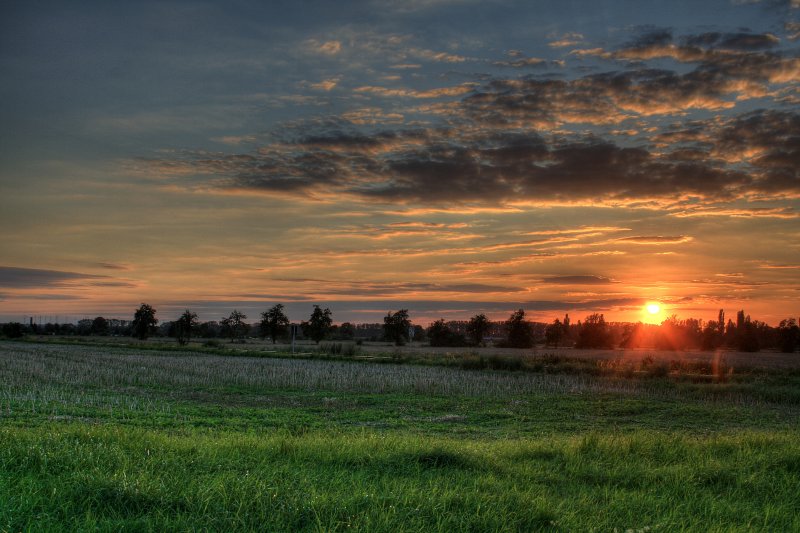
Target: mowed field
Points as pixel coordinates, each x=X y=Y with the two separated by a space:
x=765 y=359
x=104 y=438
x=372 y=350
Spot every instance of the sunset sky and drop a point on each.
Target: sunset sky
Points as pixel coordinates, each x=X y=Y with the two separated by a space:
x=451 y=157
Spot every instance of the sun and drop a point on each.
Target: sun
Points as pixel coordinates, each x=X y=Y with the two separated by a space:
x=653 y=308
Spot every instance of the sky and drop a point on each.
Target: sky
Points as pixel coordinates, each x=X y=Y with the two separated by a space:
x=451 y=157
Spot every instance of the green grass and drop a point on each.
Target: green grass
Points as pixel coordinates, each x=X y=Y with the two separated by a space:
x=117 y=478
x=110 y=439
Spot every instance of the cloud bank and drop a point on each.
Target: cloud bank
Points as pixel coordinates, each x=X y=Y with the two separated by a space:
x=547 y=140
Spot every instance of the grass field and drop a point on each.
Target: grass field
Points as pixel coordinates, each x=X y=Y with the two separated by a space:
x=126 y=439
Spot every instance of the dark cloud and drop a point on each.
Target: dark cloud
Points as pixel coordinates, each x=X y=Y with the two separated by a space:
x=610 y=98
x=112 y=266
x=504 y=167
x=31 y=278
x=702 y=39
x=492 y=149
x=769 y=141
x=518 y=60
x=733 y=41
x=520 y=169
x=727 y=63
x=650 y=36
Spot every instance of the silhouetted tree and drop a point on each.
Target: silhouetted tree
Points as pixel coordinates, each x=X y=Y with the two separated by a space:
x=210 y=330
x=710 y=337
x=567 y=329
x=747 y=336
x=671 y=335
x=788 y=335
x=144 y=321
x=184 y=327
x=318 y=325
x=631 y=335
x=693 y=332
x=594 y=333
x=234 y=326
x=13 y=330
x=395 y=327
x=728 y=335
x=519 y=331
x=553 y=333
x=100 y=326
x=347 y=331
x=274 y=323
x=439 y=334
x=477 y=328
x=84 y=326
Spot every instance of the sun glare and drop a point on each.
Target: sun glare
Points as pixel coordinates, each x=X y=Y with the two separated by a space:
x=653 y=308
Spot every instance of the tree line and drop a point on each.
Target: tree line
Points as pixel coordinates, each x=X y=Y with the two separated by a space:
x=516 y=332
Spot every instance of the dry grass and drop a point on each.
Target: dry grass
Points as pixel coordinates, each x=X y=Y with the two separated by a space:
x=82 y=366
x=50 y=372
